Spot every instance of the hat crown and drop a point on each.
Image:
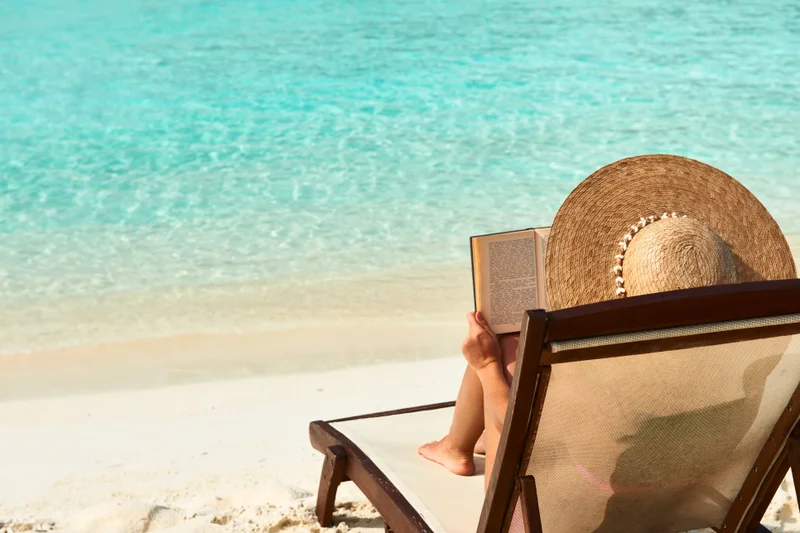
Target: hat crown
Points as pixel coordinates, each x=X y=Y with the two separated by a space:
x=677 y=253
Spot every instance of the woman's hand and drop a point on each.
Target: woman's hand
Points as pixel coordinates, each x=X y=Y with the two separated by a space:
x=480 y=348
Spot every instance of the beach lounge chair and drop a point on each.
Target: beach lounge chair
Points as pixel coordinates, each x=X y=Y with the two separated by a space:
x=667 y=412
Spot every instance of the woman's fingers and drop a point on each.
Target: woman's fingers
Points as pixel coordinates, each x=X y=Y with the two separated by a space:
x=476 y=320
x=479 y=337
x=481 y=321
x=475 y=326
x=480 y=346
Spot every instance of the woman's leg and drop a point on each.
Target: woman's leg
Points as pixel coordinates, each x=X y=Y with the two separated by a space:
x=455 y=450
x=508 y=346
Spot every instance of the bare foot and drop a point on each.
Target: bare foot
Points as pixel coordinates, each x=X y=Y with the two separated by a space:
x=442 y=452
x=480 y=446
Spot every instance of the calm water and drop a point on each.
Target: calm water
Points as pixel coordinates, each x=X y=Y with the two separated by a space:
x=148 y=145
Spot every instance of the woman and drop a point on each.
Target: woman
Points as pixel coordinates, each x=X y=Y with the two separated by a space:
x=638 y=226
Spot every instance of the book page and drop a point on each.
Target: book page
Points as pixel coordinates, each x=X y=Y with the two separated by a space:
x=542 y=234
x=508 y=285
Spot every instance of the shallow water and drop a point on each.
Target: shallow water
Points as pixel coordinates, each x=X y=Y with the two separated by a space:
x=154 y=147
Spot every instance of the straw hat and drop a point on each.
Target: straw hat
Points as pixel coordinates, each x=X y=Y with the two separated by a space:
x=656 y=223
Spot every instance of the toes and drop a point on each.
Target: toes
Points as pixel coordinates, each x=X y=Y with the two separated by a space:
x=425 y=448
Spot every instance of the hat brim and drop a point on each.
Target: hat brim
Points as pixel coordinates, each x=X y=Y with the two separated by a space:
x=585 y=235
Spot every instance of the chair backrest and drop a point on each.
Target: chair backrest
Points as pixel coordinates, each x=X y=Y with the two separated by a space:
x=660 y=413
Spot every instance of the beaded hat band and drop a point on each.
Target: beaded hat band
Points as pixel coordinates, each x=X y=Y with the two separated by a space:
x=619 y=259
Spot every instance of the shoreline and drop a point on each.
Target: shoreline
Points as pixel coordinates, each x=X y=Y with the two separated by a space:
x=402 y=295
x=409 y=316
x=184 y=359
x=418 y=295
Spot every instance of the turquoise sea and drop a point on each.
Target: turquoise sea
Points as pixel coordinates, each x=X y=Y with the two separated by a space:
x=153 y=148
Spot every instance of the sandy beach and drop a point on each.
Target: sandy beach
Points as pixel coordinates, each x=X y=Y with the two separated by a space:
x=227 y=456
x=199 y=433
x=219 y=456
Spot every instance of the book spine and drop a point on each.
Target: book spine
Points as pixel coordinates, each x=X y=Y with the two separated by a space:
x=472 y=263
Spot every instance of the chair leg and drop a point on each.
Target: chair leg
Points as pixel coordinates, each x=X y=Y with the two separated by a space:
x=794 y=458
x=531 y=518
x=333 y=473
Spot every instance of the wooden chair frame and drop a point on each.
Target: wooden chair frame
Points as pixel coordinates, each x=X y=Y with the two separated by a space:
x=345 y=461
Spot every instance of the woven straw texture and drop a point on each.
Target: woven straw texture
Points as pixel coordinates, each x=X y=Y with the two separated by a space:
x=657 y=443
x=587 y=229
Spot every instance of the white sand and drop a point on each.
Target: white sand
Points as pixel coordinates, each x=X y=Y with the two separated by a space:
x=224 y=456
x=221 y=456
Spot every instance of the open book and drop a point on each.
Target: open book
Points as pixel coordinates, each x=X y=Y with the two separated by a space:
x=508 y=276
